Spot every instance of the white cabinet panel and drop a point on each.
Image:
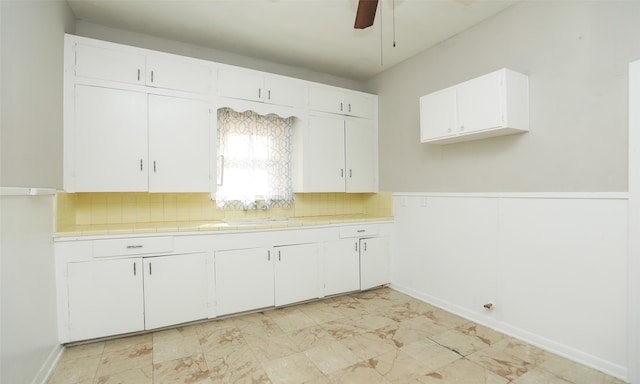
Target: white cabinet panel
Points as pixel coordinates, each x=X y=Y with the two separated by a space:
x=244 y=280
x=175 y=289
x=110 y=148
x=109 y=64
x=255 y=86
x=337 y=155
x=179 y=74
x=105 y=298
x=341 y=261
x=374 y=262
x=179 y=145
x=495 y=104
x=361 y=149
x=342 y=101
x=297 y=273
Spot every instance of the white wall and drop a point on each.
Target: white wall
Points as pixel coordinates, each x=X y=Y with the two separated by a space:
x=96 y=31
x=555 y=266
x=30 y=155
x=575 y=54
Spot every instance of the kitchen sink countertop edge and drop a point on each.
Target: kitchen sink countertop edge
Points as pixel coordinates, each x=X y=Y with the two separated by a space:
x=215 y=225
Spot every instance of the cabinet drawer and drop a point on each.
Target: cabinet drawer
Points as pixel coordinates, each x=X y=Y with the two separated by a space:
x=132 y=246
x=365 y=230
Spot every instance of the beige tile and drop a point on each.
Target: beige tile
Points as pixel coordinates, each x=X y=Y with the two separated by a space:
x=128 y=342
x=462 y=371
x=76 y=371
x=293 y=369
x=131 y=376
x=431 y=353
x=501 y=363
x=366 y=346
x=332 y=357
x=188 y=370
x=536 y=375
x=271 y=348
x=572 y=371
x=220 y=338
x=176 y=349
x=459 y=342
x=172 y=334
x=311 y=337
x=359 y=373
x=294 y=321
x=83 y=350
x=398 y=366
x=137 y=356
x=236 y=364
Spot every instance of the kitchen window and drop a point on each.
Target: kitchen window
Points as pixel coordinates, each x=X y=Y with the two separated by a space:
x=254 y=160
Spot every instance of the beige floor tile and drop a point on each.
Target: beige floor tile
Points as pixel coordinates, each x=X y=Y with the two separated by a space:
x=536 y=376
x=431 y=353
x=332 y=357
x=131 y=376
x=367 y=346
x=128 y=342
x=460 y=342
x=83 y=350
x=220 y=338
x=462 y=371
x=360 y=373
x=572 y=371
x=271 y=348
x=173 y=334
x=311 y=337
x=486 y=335
x=176 y=348
x=501 y=363
x=293 y=369
x=76 y=371
x=120 y=360
x=236 y=364
x=321 y=312
x=397 y=366
x=188 y=370
x=294 y=321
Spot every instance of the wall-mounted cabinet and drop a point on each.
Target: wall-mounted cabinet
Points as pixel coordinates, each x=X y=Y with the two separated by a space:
x=342 y=101
x=128 y=141
x=119 y=63
x=334 y=154
x=256 y=86
x=495 y=104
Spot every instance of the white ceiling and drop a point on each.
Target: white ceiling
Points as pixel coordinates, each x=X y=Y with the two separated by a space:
x=312 y=34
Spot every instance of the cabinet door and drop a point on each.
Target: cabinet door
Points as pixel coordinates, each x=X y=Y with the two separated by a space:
x=297 y=273
x=105 y=298
x=285 y=92
x=438 y=115
x=479 y=104
x=361 y=149
x=109 y=64
x=359 y=105
x=326 y=100
x=244 y=280
x=324 y=157
x=165 y=72
x=341 y=262
x=179 y=145
x=110 y=132
x=241 y=85
x=374 y=262
x=175 y=289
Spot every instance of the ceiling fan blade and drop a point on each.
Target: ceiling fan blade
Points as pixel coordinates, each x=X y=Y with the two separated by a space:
x=366 y=13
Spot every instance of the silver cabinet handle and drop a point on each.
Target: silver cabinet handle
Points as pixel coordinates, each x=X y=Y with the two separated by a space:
x=268 y=255
x=149 y=269
x=259 y=93
x=350 y=173
x=134 y=269
x=138 y=74
x=269 y=95
x=140 y=165
x=341 y=107
x=154 y=166
x=349 y=107
x=341 y=172
x=152 y=76
x=279 y=256
x=134 y=246
x=365 y=246
x=356 y=246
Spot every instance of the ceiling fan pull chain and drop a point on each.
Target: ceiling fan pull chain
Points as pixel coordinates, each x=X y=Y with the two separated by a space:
x=393 y=21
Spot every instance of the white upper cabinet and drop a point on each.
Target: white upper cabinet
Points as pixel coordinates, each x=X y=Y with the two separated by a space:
x=256 y=86
x=336 y=155
x=113 y=62
x=342 y=101
x=491 y=105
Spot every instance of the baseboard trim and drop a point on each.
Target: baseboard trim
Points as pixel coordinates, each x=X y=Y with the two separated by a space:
x=49 y=365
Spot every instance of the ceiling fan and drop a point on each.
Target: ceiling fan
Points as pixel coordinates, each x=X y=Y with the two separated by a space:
x=366 y=13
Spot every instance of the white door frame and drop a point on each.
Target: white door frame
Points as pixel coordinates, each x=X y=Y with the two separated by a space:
x=633 y=348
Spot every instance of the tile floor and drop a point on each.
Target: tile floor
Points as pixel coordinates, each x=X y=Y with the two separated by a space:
x=379 y=336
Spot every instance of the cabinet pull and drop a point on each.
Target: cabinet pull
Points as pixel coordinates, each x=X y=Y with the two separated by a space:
x=259 y=93
x=269 y=95
x=149 y=269
x=154 y=166
x=462 y=127
x=138 y=74
x=152 y=76
x=134 y=269
x=134 y=246
x=349 y=107
x=341 y=172
x=361 y=230
x=356 y=246
x=140 y=165
x=279 y=256
x=268 y=255
x=340 y=107
x=350 y=173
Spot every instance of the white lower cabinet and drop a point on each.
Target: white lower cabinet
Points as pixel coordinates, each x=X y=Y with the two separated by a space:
x=105 y=298
x=116 y=296
x=297 y=273
x=175 y=289
x=244 y=280
x=341 y=262
x=374 y=262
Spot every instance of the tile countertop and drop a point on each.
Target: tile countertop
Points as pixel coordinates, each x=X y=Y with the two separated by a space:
x=207 y=226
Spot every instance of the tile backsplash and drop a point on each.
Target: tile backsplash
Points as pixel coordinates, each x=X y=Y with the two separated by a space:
x=134 y=208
